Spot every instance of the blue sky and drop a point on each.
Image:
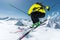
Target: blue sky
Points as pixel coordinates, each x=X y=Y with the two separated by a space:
x=7 y=10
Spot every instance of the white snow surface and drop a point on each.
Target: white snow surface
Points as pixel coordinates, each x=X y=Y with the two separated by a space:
x=41 y=33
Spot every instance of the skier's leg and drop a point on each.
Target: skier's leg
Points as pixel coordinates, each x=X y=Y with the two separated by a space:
x=35 y=19
x=41 y=15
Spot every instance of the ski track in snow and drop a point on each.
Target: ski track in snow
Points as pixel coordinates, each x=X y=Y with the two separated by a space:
x=40 y=33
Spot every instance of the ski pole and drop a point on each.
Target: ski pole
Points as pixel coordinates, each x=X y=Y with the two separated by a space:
x=17 y=8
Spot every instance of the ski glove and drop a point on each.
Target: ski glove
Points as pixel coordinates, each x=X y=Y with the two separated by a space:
x=48 y=8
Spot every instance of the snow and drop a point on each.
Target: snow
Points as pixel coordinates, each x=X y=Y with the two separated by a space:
x=5 y=32
x=43 y=32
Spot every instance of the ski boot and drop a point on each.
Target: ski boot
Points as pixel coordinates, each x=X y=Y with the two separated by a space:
x=35 y=25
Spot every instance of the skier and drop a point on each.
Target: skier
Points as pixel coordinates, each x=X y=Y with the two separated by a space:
x=37 y=11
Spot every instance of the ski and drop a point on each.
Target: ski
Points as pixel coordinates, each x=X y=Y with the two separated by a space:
x=30 y=31
x=26 y=33
x=17 y=31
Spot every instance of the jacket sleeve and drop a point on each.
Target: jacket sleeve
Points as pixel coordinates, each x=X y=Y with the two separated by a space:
x=31 y=9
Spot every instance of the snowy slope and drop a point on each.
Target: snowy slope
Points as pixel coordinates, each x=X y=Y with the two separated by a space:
x=5 y=31
x=49 y=31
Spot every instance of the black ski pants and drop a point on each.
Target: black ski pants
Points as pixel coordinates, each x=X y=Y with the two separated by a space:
x=36 y=15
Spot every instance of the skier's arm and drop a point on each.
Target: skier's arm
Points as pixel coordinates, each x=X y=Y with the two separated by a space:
x=30 y=10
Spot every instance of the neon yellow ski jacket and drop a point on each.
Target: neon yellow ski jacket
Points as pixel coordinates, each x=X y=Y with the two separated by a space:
x=38 y=8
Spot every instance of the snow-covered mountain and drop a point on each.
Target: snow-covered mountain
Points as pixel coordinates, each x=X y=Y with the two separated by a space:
x=19 y=23
x=49 y=31
x=4 y=18
x=54 y=22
